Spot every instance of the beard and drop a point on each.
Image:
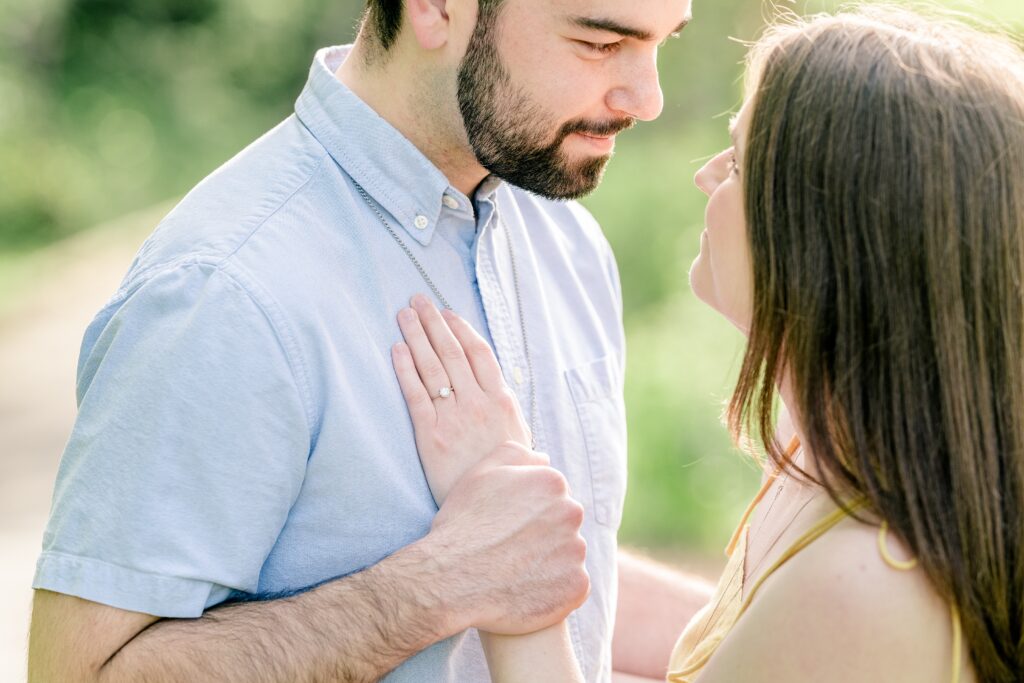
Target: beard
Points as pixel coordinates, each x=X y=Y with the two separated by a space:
x=511 y=135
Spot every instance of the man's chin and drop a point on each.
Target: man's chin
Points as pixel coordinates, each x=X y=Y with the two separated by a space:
x=566 y=192
x=586 y=178
x=569 y=180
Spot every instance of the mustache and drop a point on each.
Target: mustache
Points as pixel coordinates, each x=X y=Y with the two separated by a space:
x=599 y=129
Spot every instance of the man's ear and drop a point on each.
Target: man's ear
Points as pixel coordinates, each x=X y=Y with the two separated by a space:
x=429 y=21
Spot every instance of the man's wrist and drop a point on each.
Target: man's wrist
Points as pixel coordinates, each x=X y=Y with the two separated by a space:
x=441 y=583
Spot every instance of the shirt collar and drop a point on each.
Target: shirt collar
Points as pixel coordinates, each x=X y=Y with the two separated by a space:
x=392 y=170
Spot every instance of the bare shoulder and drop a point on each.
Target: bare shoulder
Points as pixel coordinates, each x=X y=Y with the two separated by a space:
x=838 y=612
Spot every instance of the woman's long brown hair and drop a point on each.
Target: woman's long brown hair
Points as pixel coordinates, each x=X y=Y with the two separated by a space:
x=884 y=195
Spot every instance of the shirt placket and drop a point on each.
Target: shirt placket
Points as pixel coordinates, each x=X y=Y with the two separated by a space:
x=497 y=290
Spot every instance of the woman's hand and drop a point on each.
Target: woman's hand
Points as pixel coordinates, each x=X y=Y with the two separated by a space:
x=453 y=433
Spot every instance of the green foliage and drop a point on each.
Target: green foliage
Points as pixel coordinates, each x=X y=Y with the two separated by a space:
x=110 y=105
x=107 y=106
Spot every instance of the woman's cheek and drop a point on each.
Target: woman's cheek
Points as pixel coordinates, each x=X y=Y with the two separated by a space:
x=730 y=252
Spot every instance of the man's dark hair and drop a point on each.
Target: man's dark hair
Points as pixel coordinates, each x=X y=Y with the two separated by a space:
x=383 y=19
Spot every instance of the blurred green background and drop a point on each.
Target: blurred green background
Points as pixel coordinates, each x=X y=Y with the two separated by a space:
x=111 y=106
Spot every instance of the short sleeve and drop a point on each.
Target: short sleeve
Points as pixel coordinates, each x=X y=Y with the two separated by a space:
x=188 y=452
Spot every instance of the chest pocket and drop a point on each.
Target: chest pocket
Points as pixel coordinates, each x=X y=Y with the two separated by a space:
x=596 y=390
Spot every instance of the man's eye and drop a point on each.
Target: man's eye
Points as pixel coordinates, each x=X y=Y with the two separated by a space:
x=601 y=48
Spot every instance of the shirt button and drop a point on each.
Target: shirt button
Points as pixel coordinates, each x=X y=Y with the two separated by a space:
x=450 y=201
x=421 y=222
x=517 y=375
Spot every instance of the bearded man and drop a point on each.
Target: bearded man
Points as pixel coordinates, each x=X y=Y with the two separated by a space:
x=241 y=497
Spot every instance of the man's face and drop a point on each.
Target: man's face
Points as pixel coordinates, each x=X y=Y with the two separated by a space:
x=545 y=85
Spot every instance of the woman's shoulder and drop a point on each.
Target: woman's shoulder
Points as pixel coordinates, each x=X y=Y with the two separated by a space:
x=845 y=568
x=838 y=611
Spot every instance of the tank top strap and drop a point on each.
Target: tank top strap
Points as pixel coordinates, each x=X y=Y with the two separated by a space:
x=957 y=642
x=954 y=613
x=794 y=443
x=883 y=550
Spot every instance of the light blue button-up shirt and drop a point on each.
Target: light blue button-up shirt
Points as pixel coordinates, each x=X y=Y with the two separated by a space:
x=240 y=427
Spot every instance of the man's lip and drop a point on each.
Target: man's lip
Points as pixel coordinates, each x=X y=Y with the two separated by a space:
x=602 y=145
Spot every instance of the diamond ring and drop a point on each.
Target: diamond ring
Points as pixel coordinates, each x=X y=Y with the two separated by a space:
x=445 y=392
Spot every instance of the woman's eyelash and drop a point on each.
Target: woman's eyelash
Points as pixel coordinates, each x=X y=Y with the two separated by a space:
x=734 y=166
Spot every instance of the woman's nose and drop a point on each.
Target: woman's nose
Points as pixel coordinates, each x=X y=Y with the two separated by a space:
x=711 y=174
x=703 y=181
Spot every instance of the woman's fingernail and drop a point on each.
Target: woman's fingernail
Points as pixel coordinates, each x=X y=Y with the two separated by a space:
x=420 y=301
x=407 y=314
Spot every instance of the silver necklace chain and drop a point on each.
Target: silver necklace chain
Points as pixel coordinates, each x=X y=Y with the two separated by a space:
x=444 y=301
x=415 y=261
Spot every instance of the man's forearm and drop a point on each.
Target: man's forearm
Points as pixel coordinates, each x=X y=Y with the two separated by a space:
x=349 y=630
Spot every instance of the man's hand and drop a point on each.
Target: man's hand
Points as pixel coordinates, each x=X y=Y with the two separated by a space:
x=509 y=531
x=453 y=433
x=516 y=546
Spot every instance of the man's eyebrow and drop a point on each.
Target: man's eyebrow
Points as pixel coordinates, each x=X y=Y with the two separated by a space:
x=613 y=26
x=679 y=29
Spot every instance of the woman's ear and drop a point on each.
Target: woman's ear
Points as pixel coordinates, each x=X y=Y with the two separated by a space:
x=429 y=21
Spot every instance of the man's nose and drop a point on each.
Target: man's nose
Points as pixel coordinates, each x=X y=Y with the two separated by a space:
x=640 y=97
